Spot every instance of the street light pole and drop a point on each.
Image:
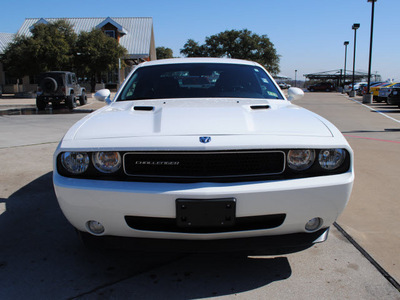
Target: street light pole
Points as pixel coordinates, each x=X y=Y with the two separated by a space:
x=295 y=78
x=368 y=98
x=354 y=27
x=346 y=43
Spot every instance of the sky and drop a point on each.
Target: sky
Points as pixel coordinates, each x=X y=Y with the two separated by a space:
x=308 y=35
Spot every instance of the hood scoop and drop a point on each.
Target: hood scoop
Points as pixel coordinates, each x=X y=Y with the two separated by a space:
x=260 y=107
x=143 y=108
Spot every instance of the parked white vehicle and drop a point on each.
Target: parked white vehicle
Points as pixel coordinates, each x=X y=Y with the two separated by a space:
x=229 y=165
x=357 y=86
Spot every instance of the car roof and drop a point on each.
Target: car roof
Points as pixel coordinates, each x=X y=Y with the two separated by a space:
x=198 y=60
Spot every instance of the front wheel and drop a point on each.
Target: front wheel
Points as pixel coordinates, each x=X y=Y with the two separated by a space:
x=71 y=102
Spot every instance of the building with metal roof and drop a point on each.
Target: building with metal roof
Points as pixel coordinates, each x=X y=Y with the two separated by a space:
x=5 y=39
x=136 y=34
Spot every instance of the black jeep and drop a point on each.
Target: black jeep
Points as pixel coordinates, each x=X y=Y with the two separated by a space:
x=59 y=87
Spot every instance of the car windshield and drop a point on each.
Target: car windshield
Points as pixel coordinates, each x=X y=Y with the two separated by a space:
x=199 y=80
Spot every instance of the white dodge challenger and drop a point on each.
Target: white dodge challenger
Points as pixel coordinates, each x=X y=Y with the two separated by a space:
x=203 y=154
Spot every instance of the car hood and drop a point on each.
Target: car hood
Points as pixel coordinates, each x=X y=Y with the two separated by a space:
x=199 y=117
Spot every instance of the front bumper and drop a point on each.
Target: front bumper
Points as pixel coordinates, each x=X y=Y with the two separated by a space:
x=109 y=202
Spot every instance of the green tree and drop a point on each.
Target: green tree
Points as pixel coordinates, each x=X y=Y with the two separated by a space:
x=51 y=47
x=193 y=49
x=242 y=44
x=163 y=53
x=96 y=53
x=55 y=46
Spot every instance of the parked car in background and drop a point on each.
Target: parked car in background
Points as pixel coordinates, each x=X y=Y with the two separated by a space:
x=357 y=87
x=385 y=91
x=231 y=165
x=347 y=88
x=372 y=84
x=375 y=90
x=321 y=87
x=283 y=85
x=394 y=97
x=59 y=87
x=360 y=88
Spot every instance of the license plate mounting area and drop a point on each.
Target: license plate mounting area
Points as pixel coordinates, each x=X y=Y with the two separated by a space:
x=202 y=213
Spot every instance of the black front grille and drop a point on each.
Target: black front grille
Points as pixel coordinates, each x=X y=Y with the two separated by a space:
x=200 y=165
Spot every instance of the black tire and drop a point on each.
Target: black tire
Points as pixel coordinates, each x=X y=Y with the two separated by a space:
x=40 y=104
x=311 y=90
x=83 y=99
x=49 y=85
x=71 y=102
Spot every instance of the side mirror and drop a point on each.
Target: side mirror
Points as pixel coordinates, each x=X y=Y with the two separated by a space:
x=103 y=96
x=295 y=93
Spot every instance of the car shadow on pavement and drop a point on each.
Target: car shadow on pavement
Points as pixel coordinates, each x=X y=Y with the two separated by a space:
x=41 y=257
x=385 y=108
x=201 y=276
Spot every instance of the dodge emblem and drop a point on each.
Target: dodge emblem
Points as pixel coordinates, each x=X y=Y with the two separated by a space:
x=205 y=139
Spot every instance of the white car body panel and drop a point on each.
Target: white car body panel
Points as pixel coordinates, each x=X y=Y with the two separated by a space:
x=176 y=125
x=199 y=117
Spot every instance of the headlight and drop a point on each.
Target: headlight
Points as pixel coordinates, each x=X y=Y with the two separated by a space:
x=331 y=159
x=107 y=161
x=75 y=162
x=300 y=160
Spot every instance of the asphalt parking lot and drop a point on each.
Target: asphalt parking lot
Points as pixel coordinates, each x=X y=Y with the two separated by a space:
x=41 y=257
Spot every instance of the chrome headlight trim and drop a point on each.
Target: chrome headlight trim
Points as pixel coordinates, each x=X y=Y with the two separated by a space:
x=107 y=161
x=300 y=159
x=331 y=159
x=75 y=162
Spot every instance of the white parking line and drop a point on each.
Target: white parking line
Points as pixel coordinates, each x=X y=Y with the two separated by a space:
x=373 y=109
